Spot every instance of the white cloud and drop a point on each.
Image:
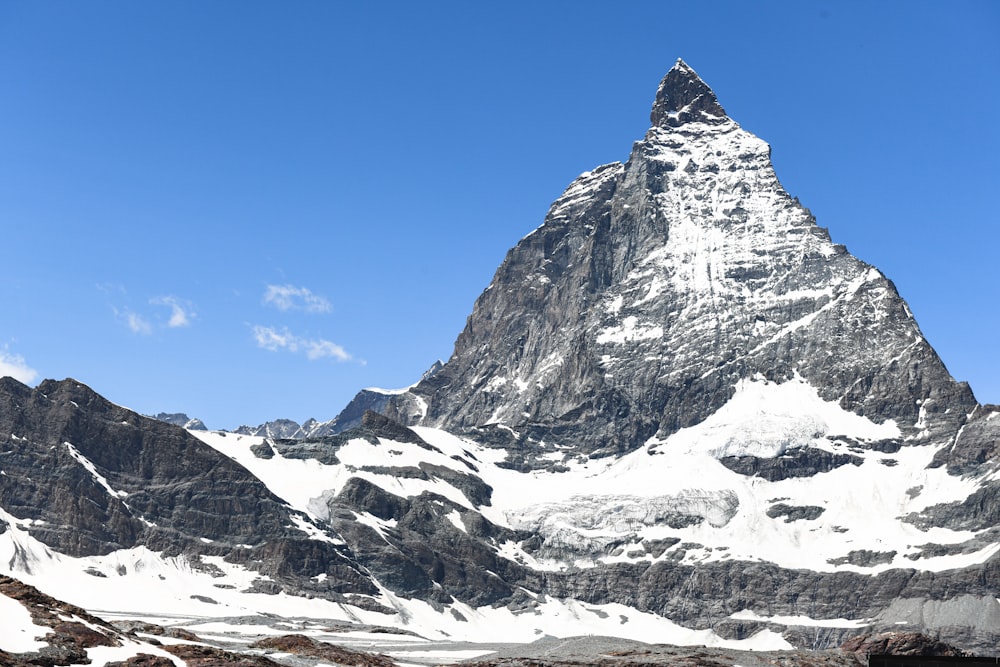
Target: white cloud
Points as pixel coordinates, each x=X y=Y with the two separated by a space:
x=137 y=323
x=273 y=339
x=181 y=312
x=318 y=349
x=15 y=366
x=290 y=297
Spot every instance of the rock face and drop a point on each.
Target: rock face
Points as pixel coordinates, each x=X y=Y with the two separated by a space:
x=87 y=477
x=653 y=287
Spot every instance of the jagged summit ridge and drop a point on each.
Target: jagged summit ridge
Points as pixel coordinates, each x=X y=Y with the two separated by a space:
x=683 y=97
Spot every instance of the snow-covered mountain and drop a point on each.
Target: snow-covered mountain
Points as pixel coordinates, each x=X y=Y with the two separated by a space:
x=679 y=413
x=654 y=288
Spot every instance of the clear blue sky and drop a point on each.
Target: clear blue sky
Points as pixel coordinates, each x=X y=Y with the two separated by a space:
x=249 y=210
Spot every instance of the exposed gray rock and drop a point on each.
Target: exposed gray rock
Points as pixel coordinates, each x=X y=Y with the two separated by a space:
x=977 y=443
x=864 y=558
x=797 y=462
x=795 y=513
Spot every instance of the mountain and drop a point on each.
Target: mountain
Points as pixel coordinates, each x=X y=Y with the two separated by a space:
x=373 y=398
x=654 y=288
x=182 y=420
x=678 y=413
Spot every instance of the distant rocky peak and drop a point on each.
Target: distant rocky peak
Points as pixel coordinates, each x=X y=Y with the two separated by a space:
x=683 y=97
x=182 y=420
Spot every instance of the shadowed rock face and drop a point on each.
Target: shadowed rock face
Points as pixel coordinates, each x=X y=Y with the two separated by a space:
x=92 y=471
x=654 y=286
x=95 y=477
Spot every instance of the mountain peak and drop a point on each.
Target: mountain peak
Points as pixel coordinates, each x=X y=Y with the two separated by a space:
x=683 y=97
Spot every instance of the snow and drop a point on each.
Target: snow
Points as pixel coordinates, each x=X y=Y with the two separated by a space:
x=389 y=392
x=92 y=469
x=629 y=331
x=581 y=190
x=591 y=504
x=764 y=419
x=598 y=502
x=19 y=631
x=456 y=520
x=569 y=618
x=749 y=615
x=101 y=655
x=313 y=532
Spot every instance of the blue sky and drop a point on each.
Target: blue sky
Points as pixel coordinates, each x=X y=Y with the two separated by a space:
x=250 y=210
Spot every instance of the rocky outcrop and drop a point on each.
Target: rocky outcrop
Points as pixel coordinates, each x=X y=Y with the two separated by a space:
x=976 y=445
x=899 y=643
x=324 y=651
x=68 y=630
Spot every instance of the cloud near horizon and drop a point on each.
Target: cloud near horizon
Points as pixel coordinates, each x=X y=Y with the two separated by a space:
x=15 y=366
x=272 y=339
x=290 y=297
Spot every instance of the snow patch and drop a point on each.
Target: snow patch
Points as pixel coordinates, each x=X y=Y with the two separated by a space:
x=629 y=331
x=92 y=469
x=19 y=633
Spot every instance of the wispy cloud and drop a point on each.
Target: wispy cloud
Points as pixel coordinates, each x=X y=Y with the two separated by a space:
x=136 y=323
x=15 y=366
x=181 y=311
x=182 y=314
x=270 y=338
x=290 y=297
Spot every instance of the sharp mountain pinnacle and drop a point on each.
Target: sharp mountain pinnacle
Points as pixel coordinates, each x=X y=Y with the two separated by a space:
x=683 y=97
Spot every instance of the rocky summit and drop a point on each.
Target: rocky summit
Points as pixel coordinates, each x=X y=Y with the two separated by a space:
x=678 y=414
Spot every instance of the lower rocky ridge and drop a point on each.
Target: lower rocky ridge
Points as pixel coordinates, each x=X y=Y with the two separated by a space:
x=89 y=480
x=68 y=635
x=609 y=652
